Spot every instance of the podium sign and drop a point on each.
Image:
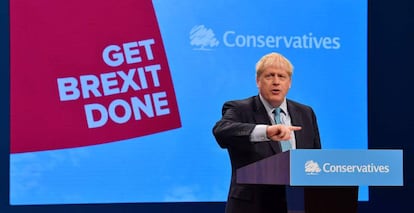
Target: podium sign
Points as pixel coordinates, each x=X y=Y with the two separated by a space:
x=310 y=167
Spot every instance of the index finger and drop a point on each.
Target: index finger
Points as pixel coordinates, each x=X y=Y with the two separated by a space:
x=294 y=128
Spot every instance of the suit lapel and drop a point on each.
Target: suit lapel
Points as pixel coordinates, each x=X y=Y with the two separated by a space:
x=296 y=120
x=261 y=117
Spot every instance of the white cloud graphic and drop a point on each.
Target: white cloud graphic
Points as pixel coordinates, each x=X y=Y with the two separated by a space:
x=182 y=194
x=29 y=171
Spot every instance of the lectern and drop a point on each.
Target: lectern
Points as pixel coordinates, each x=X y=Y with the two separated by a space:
x=329 y=178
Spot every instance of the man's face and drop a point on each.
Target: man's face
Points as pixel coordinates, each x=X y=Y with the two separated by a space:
x=274 y=84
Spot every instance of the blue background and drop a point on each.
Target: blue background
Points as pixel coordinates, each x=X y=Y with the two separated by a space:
x=388 y=79
x=186 y=164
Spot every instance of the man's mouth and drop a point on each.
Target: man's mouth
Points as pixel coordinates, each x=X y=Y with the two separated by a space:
x=275 y=91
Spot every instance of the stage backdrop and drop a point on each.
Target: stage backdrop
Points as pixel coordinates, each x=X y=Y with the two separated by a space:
x=114 y=101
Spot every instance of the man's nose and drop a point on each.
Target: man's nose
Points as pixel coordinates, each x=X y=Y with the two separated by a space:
x=276 y=80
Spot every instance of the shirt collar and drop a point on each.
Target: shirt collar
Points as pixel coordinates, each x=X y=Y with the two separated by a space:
x=269 y=107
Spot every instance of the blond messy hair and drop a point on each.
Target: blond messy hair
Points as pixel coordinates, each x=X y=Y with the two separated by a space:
x=274 y=60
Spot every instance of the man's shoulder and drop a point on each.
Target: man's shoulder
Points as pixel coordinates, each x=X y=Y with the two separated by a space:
x=295 y=104
x=246 y=104
x=245 y=101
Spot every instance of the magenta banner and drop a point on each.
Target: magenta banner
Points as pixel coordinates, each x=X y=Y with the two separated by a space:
x=86 y=73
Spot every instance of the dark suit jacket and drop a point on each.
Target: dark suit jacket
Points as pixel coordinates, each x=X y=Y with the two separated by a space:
x=233 y=131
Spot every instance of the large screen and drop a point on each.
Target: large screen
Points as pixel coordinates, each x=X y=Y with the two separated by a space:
x=114 y=101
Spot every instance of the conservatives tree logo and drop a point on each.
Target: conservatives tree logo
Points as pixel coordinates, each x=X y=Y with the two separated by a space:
x=203 y=38
x=312 y=167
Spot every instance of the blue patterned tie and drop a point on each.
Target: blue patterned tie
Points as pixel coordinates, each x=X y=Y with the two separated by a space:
x=284 y=144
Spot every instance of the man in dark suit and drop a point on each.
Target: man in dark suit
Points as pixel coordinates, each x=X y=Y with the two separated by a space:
x=249 y=132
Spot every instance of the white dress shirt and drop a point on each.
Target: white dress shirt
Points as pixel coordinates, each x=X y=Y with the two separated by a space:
x=259 y=132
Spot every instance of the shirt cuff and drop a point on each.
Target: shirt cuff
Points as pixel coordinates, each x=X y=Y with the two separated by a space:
x=259 y=133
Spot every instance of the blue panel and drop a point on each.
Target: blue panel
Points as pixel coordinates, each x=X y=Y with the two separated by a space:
x=347 y=167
